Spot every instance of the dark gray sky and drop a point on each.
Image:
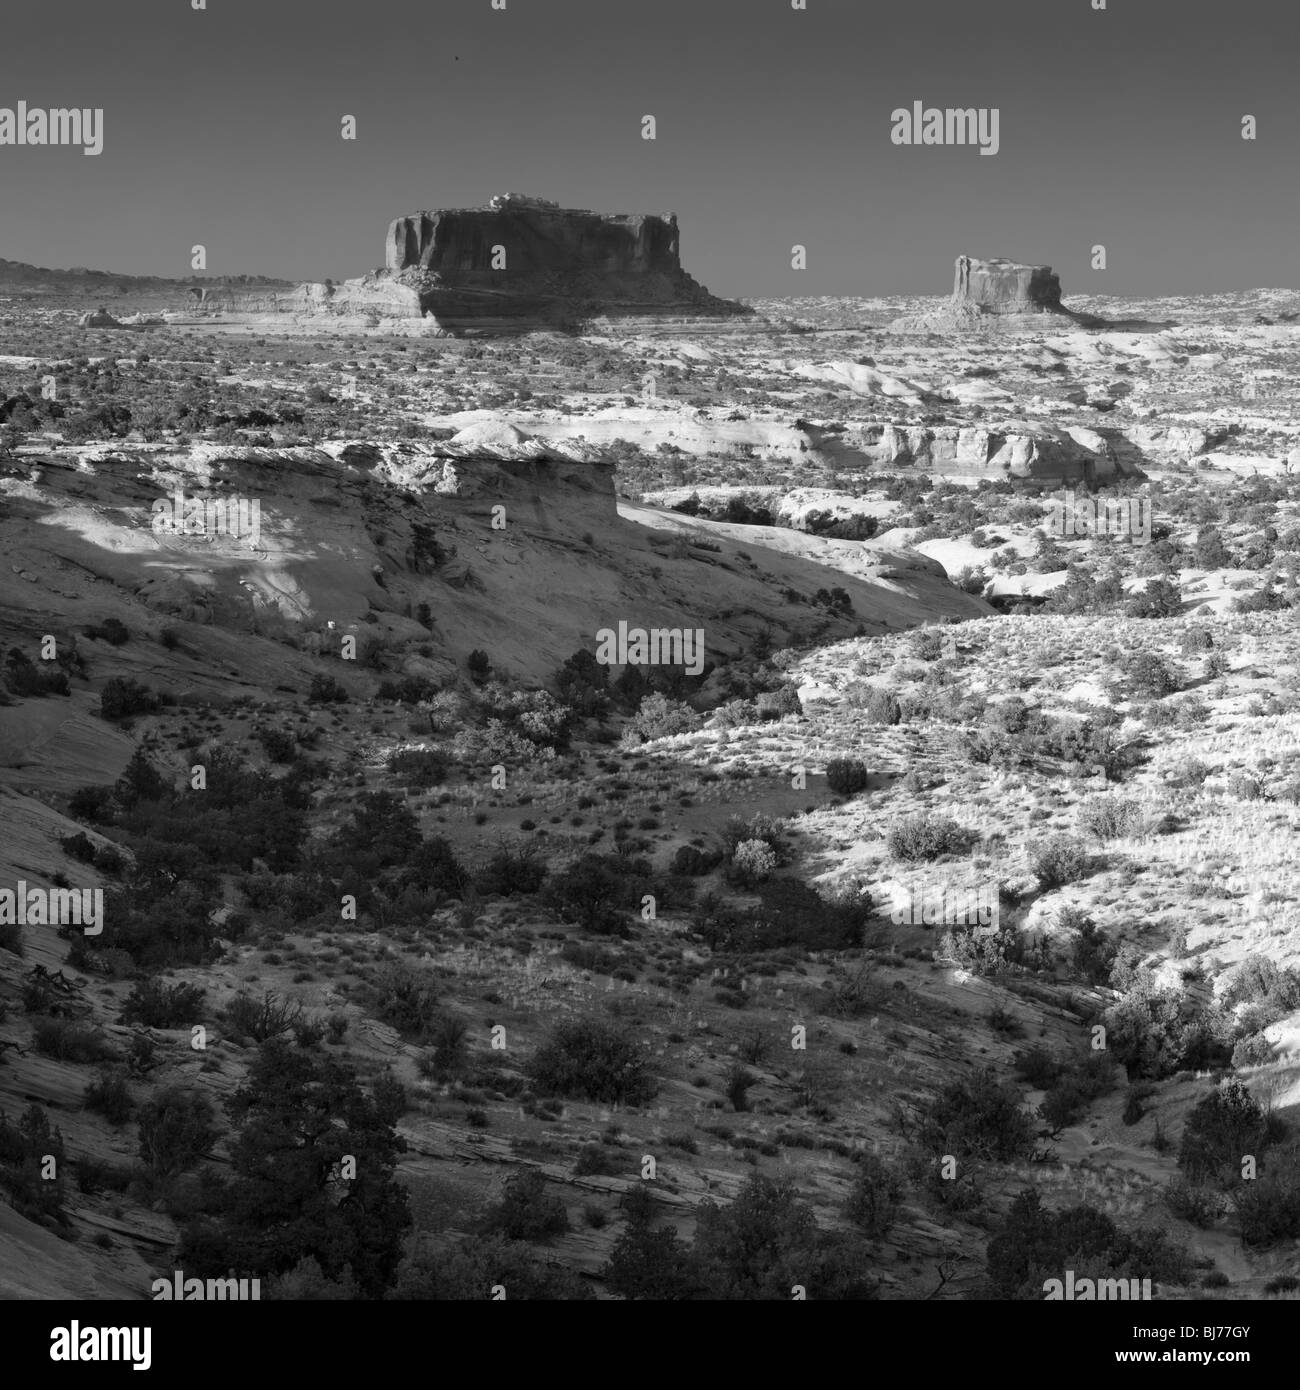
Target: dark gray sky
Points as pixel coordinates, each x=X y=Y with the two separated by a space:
x=1120 y=127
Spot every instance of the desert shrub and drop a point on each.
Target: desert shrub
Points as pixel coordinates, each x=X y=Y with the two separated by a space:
x=1093 y=951
x=406 y=1000
x=765 y=1241
x=409 y=690
x=977 y=1117
x=595 y=893
x=158 y=1005
x=586 y=956
x=513 y=868
x=298 y=1116
x=1032 y=1244
x=790 y=913
x=878 y=706
x=1268 y=1209
x=1109 y=817
x=109 y=860
x=650 y=1262
x=1245 y=787
x=924 y=836
x=1259 y=980
x=177 y=1127
x=1223 y=1128
x=736 y=1085
x=381 y=833
x=1194 y=1202
x=738 y=829
x=469 y=1271
x=660 y=717
x=111 y=630
x=260 y=1019
x=526 y=1211
x=1070 y=1095
x=306 y=1282
x=597 y=1160
x=1254 y=1050
x=142 y=782
x=21 y=676
x=1059 y=861
x=90 y=803
x=589 y=1059
x=1150 y=676
x=122 y=697
x=752 y=862
x=418 y=767
x=433 y=867
x=873 y=1202
x=694 y=862
x=450 y=1039
x=845 y=776
x=1154 y=1032
x=110 y=1096
x=325 y=690
x=1133 y=1098
x=1039 y=1067
x=987 y=951
x=1195 y=639
x=79 y=847
x=24 y=1149
x=68 y=1041
x=1010 y=715
x=278 y=744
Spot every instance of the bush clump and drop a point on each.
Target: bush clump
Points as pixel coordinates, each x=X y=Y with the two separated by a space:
x=177 y=1127
x=1059 y=861
x=924 y=836
x=873 y=1203
x=589 y=1059
x=978 y=1117
x=110 y=1096
x=158 y=1005
x=526 y=1211
x=845 y=776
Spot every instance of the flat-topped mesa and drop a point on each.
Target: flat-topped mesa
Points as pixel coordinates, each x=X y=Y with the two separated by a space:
x=522 y=259
x=997 y=295
x=513 y=266
x=998 y=286
x=535 y=240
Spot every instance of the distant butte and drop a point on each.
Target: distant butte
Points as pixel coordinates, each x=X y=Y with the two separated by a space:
x=527 y=259
x=998 y=286
x=997 y=294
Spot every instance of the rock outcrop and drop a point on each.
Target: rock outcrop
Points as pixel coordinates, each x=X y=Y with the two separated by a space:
x=1005 y=287
x=525 y=258
x=516 y=264
x=997 y=295
x=527 y=240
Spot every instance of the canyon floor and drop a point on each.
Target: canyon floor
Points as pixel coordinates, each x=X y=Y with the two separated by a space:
x=912 y=682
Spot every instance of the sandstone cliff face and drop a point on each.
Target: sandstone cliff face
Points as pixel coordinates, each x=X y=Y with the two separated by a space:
x=996 y=295
x=523 y=260
x=537 y=241
x=1005 y=287
x=517 y=264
